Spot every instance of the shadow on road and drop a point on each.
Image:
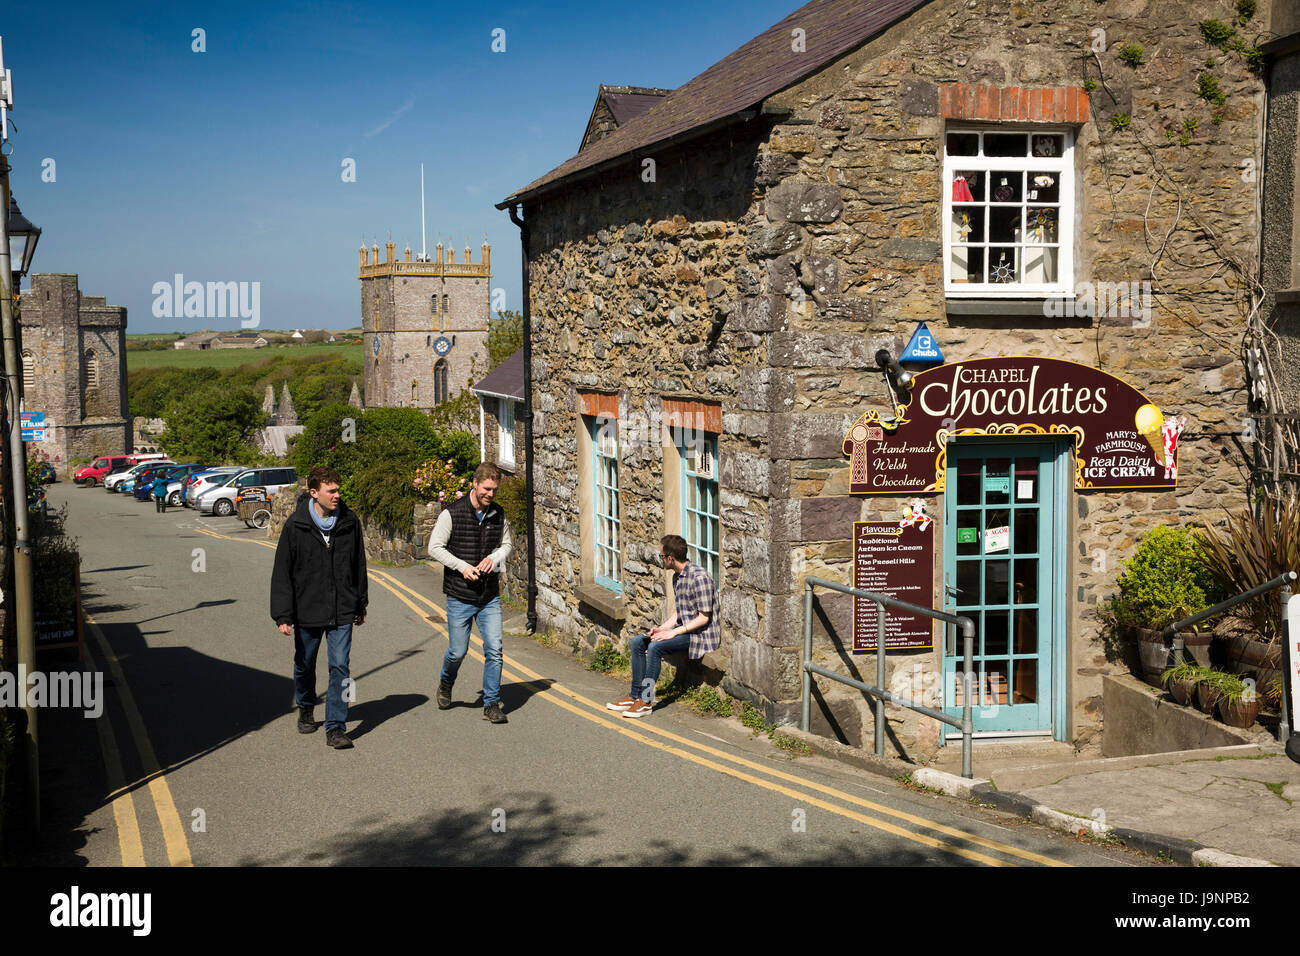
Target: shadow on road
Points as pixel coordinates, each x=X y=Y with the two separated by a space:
x=195 y=705
x=538 y=832
x=371 y=713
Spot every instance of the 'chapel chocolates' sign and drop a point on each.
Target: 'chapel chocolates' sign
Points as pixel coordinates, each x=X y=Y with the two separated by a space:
x=896 y=560
x=1121 y=440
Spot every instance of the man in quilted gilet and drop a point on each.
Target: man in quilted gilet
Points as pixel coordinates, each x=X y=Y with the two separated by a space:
x=472 y=540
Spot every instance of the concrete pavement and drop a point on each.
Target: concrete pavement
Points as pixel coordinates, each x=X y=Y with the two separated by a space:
x=1218 y=806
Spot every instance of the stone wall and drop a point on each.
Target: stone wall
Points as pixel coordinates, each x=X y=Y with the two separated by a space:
x=398 y=547
x=766 y=264
x=382 y=543
x=1280 y=265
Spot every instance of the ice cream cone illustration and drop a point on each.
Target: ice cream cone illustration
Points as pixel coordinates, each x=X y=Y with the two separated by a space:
x=1149 y=421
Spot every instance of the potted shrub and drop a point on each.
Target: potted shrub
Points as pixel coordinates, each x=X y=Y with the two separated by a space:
x=1238 y=702
x=1208 y=691
x=1162 y=583
x=1251 y=549
x=1181 y=680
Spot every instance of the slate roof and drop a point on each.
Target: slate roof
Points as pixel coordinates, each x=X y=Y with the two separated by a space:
x=504 y=381
x=624 y=106
x=622 y=103
x=740 y=81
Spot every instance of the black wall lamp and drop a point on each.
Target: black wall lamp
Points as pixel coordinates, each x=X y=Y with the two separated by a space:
x=887 y=362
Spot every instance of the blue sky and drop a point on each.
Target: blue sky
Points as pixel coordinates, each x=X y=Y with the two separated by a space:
x=226 y=165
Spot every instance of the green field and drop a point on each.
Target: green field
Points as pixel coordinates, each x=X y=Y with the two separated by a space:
x=229 y=358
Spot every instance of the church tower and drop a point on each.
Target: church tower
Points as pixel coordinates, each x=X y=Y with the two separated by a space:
x=424 y=325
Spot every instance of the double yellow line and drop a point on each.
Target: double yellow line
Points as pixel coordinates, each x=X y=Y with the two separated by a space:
x=731 y=765
x=597 y=713
x=124 y=815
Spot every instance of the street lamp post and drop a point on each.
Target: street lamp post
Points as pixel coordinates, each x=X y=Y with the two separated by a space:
x=23 y=236
x=20 y=244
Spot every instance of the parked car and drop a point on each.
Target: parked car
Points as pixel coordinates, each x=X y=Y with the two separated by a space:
x=114 y=481
x=178 y=479
x=144 y=483
x=101 y=468
x=221 y=500
x=206 y=481
x=144 y=476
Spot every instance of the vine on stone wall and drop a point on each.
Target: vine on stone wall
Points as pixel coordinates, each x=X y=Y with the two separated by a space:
x=1270 y=437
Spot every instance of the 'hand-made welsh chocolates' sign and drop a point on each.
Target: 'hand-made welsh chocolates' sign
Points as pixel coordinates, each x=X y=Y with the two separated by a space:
x=1121 y=440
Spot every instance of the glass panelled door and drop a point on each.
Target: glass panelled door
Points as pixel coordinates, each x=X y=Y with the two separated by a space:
x=999 y=569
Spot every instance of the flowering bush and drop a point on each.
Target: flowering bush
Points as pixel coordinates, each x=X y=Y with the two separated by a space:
x=439 y=481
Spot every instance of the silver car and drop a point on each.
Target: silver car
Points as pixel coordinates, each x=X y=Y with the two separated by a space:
x=112 y=481
x=208 y=480
x=221 y=500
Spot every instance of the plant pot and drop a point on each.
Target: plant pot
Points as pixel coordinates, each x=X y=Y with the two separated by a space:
x=1197 y=646
x=1240 y=714
x=1207 y=696
x=1182 y=691
x=1154 y=653
x=1243 y=655
x=1126 y=647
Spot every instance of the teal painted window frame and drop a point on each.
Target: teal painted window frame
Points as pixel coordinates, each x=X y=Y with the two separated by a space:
x=703 y=550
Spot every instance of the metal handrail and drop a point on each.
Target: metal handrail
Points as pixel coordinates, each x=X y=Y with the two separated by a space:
x=1280 y=581
x=966 y=724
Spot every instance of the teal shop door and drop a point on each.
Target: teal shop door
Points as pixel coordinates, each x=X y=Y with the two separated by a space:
x=1004 y=568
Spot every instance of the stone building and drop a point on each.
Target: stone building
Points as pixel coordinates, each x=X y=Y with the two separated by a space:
x=74 y=369
x=221 y=340
x=1277 y=348
x=711 y=283
x=501 y=425
x=424 y=326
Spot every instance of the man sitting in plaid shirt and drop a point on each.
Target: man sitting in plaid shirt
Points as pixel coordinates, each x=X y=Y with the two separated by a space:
x=696 y=600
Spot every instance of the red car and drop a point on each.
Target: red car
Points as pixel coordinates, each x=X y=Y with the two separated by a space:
x=93 y=474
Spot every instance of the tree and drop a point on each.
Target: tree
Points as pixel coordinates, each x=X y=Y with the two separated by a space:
x=213 y=425
x=505 y=337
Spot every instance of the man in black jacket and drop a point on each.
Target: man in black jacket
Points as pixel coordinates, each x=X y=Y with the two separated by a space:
x=318 y=589
x=471 y=539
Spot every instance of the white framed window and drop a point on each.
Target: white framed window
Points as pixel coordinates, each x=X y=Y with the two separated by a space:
x=1008 y=211
x=29 y=369
x=505 y=431
x=605 y=497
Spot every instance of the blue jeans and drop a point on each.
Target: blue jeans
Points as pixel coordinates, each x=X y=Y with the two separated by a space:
x=306 y=644
x=647 y=656
x=460 y=615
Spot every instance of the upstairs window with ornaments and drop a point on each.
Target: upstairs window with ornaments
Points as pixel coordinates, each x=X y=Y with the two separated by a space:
x=1008 y=212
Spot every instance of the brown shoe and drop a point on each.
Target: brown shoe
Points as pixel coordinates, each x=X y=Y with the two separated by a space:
x=641 y=708
x=623 y=703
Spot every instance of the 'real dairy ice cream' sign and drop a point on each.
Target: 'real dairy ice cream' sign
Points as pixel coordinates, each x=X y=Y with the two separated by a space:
x=1121 y=440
